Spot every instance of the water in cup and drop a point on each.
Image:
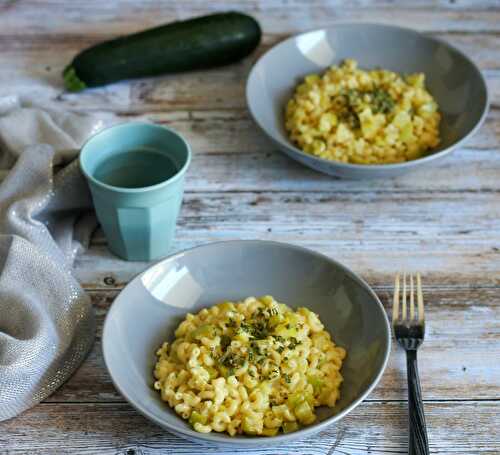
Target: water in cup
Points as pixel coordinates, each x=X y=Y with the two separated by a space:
x=136 y=169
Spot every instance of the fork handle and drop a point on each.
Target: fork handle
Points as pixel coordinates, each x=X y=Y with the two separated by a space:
x=418 y=442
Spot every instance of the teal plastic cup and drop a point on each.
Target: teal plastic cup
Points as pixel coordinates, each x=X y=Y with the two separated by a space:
x=135 y=172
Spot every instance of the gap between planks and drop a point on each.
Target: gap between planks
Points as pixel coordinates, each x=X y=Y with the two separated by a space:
x=92 y=288
x=370 y=428
x=70 y=402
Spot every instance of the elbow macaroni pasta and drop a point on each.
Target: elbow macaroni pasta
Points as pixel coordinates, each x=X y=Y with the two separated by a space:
x=255 y=367
x=363 y=117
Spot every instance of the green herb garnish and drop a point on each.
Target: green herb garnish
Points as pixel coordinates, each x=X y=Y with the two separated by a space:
x=225 y=341
x=382 y=101
x=293 y=343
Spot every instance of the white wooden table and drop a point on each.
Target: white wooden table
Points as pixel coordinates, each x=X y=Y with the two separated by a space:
x=443 y=221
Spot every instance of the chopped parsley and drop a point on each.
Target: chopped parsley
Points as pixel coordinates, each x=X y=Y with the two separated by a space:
x=352 y=101
x=381 y=101
x=293 y=343
x=255 y=348
x=256 y=327
x=231 y=360
x=225 y=341
x=273 y=374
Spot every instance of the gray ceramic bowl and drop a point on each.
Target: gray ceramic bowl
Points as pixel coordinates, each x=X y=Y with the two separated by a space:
x=451 y=77
x=147 y=311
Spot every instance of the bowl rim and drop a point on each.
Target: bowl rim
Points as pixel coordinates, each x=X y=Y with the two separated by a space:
x=351 y=166
x=222 y=438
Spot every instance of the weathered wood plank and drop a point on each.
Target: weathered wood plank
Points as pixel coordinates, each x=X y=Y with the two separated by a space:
x=451 y=236
x=267 y=170
x=276 y=16
x=377 y=428
x=232 y=154
x=224 y=133
x=227 y=131
x=463 y=327
x=37 y=73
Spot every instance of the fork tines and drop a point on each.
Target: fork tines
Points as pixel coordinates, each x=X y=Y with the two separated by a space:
x=416 y=315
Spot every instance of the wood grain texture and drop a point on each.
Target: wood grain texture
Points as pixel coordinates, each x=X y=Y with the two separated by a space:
x=33 y=17
x=471 y=368
x=449 y=236
x=443 y=220
x=372 y=428
x=36 y=72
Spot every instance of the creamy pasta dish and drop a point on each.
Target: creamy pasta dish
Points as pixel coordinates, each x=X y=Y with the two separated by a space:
x=363 y=117
x=255 y=367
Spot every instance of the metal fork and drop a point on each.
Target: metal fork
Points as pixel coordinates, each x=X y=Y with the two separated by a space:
x=409 y=332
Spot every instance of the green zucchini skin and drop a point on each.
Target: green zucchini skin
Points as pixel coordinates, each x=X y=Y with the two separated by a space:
x=202 y=42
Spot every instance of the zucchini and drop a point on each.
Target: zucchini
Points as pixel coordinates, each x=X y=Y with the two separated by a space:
x=202 y=42
x=288 y=427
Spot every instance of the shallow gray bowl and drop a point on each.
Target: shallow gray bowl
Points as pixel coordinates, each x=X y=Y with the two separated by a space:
x=451 y=77
x=149 y=309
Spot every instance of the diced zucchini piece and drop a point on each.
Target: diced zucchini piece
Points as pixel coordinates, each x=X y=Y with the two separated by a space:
x=242 y=336
x=289 y=427
x=251 y=426
x=270 y=431
x=295 y=399
x=401 y=119
x=196 y=417
x=406 y=134
x=276 y=319
x=304 y=413
x=286 y=330
x=267 y=299
x=265 y=387
x=205 y=330
x=316 y=382
x=223 y=371
x=212 y=372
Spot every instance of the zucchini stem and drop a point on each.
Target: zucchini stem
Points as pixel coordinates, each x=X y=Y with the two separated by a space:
x=71 y=80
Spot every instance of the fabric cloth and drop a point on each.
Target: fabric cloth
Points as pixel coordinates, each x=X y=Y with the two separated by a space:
x=46 y=320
